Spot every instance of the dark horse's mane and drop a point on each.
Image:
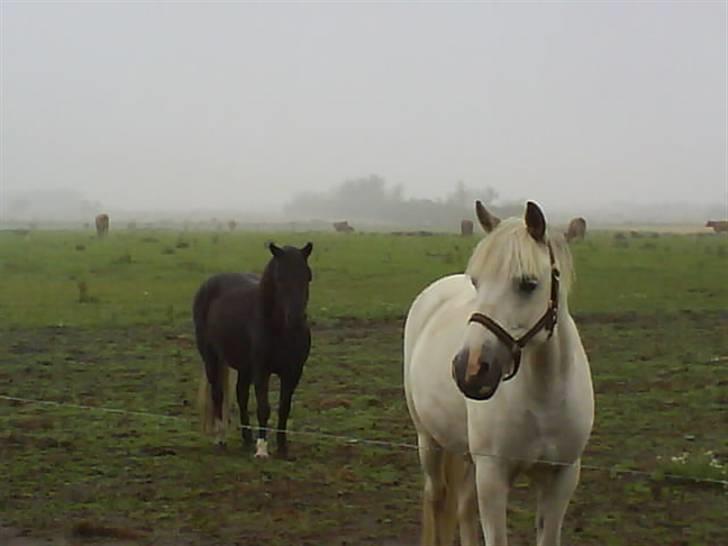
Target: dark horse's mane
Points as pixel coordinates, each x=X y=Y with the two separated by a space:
x=256 y=325
x=267 y=286
x=268 y=292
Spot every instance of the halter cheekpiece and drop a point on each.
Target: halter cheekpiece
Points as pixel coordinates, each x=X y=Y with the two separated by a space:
x=546 y=322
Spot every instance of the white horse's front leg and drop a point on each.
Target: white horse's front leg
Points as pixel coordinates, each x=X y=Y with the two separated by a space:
x=491 y=476
x=555 y=489
x=435 y=494
x=468 y=508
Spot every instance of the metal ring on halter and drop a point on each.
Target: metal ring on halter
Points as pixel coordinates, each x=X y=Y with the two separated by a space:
x=516 y=353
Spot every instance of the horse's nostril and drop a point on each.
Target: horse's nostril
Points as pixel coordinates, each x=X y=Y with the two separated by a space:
x=460 y=359
x=459 y=365
x=484 y=366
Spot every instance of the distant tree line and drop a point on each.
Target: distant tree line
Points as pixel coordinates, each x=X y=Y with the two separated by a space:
x=370 y=199
x=48 y=204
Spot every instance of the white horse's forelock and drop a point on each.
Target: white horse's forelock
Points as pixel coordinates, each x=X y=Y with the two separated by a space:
x=509 y=250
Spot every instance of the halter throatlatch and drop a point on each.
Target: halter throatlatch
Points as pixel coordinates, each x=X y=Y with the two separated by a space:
x=546 y=322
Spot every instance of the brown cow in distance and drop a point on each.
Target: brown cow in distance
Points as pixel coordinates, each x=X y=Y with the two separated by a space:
x=576 y=229
x=719 y=226
x=466 y=228
x=102 y=225
x=343 y=227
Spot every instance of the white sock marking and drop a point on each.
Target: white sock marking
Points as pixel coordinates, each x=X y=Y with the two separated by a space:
x=261 y=449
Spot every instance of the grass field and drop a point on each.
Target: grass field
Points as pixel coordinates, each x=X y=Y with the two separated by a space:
x=106 y=323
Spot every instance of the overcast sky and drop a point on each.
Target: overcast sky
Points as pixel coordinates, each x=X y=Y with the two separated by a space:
x=205 y=105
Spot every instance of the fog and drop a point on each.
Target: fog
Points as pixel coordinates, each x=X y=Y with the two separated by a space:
x=584 y=107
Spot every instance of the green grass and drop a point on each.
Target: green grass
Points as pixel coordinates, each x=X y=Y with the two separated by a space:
x=652 y=312
x=133 y=279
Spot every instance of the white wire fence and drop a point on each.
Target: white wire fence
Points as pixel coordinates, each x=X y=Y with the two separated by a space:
x=614 y=471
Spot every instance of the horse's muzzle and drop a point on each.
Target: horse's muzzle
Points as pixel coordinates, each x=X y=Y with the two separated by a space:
x=480 y=385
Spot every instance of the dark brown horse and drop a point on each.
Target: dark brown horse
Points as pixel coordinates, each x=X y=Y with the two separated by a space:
x=576 y=230
x=257 y=326
x=719 y=226
x=102 y=225
x=343 y=227
x=466 y=228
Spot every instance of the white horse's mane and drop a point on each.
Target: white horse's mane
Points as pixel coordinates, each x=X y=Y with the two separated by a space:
x=511 y=251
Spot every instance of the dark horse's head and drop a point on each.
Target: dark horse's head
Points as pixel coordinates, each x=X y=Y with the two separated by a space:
x=286 y=279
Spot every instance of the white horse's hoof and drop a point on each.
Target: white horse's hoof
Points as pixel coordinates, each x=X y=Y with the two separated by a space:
x=261 y=449
x=219 y=433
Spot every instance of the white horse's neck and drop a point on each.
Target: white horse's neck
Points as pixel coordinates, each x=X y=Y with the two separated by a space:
x=546 y=367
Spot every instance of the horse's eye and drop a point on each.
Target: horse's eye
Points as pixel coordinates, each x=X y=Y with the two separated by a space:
x=527 y=285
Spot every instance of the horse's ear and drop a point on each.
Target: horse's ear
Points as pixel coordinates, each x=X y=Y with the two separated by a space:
x=535 y=221
x=307 y=249
x=487 y=221
x=275 y=250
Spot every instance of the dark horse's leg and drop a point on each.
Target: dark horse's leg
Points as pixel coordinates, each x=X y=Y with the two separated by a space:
x=288 y=385
x=261 y=399
x=291 y=360
x=243 y=390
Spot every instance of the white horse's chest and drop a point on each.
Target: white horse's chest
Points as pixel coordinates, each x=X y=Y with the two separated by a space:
x=554 y=430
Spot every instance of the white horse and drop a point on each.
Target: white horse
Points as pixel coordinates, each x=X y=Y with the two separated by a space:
x=488 y=405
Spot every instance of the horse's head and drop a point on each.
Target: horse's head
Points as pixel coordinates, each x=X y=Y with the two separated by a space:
x=289 y=276
x=516 y=273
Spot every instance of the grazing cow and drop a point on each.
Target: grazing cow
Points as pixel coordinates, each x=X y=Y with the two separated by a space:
x=576 y=229
x=466 y=228
x=102 y=225
x=232 y=224
x=719 y=226
x=343 y=227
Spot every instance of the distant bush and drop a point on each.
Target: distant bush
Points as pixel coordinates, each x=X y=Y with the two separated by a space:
x=83 y=293
x=620 y=240
x=123 y=259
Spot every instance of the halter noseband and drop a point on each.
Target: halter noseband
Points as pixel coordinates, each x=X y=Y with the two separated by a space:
x=546 y=322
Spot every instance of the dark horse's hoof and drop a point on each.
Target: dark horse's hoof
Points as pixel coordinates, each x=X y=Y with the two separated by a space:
x=283 y=455
x=247 y=439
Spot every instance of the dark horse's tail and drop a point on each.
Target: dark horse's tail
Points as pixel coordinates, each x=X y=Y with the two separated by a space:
x=215 y=373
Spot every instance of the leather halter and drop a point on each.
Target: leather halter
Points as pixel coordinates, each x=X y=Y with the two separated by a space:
x=546 y=322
